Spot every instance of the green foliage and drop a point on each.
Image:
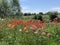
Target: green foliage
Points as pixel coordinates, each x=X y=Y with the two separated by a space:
x=16 y=7
x=35 y=17
x=40 y=13
x=10 y=8
x=4 y=8
x=27 y=14
x=53 y=15
x=38 y=17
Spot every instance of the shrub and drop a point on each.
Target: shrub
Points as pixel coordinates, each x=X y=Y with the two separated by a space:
x=53 y=15
x=35 y=17
x=40 y=17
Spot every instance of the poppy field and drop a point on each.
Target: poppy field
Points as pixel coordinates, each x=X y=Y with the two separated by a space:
x=29 y=22
x=32 y=32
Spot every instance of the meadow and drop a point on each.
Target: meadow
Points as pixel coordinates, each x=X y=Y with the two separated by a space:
x=20 y=26
x=26 y=31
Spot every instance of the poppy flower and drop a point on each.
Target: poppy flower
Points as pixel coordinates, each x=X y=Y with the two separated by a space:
x=16 y=22
x=11 y=25
x=36 y=32
x=26 y=31
x=56 y=19
x=43 y=33
x=34 y=27
x=25 y=28
x=44 y=26
x=49 y=34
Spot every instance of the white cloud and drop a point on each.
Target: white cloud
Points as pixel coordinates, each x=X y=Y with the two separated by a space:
x=26 y=9
x=55 y=9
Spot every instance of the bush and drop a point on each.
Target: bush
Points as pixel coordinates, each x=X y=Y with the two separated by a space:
x=53 y=15
x=38 y=17
x=35 y=17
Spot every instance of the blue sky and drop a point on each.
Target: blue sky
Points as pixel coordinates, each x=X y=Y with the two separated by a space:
x=35 y=6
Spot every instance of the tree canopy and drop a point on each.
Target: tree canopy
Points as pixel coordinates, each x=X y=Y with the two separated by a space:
x=9 y=7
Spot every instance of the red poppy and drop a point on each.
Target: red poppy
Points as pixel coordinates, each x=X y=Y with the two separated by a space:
x=15 y=22
x=11 y=25
x=34 y=27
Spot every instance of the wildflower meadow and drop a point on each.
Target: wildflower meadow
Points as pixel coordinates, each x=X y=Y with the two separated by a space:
x=32 y=32
x=29 y=22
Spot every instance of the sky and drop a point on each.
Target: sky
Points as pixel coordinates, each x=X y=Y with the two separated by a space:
x=36 y=6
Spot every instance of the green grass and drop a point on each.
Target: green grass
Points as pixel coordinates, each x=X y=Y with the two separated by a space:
x=44 y=17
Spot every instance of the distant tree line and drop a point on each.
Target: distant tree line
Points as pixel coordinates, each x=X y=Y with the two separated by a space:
x=29 y=14
x=52 y=15
x=41 y=13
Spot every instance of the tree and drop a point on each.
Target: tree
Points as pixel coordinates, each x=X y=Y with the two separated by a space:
x=4 y=8
x=27 y=14
x=40 y=18
x=40 y=13
x=10 y=8
x=53 y=15
x=35 y=16
x=16 y=9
